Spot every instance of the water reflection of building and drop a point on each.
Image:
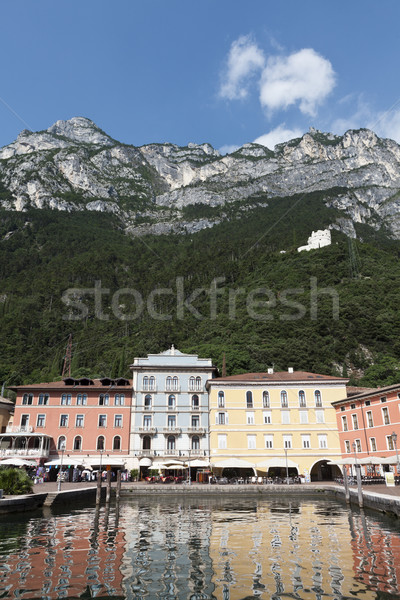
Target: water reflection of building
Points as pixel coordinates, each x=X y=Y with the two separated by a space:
x=61 y=556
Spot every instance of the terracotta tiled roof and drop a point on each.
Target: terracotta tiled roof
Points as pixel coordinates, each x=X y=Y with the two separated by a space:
x=355 y=391
x=57 y=385
x=284 y=376
x=369 y=394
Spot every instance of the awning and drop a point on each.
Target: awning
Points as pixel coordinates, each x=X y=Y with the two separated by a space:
x=198 y=463
x=390 y=460
x=342 y=461
x=65 y=462
x=18 y=462
x=145 y=462
x=180 y=466
x=233 y=463
x=277 y=463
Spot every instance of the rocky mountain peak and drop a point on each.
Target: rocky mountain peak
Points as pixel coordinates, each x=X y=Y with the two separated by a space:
x=81 y=129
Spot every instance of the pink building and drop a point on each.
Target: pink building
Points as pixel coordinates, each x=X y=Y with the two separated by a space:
x=369 y=423
x=86 y=421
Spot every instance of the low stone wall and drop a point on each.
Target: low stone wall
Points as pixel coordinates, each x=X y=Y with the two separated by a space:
x=161 y=489
x=22 y=503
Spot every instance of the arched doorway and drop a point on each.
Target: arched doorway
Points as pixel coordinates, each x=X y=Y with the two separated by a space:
x=322 y=471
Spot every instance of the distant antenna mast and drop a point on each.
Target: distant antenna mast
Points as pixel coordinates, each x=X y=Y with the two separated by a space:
x=67 y=358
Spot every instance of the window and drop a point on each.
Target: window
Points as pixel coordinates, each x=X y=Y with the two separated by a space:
x=149 y=383
x=66 y=400
x=27 y=399
x=372 y=442
x=319 y=416
x=306 y=441
x=102 y=420
x=152 y=383
x=168 y=383
x=195 y=442
x=81 y=399
x=370 y=419
x=347 y=446
x=147 y=402
x=249 y=399
x=63 y=420
x=146 y=444
x=198 y=384
x=119 y=399
x=303 y=414
x=171 y=442
x=317 y=398
x=100 y=443
x=342 y=408
x=383 y=399
x=287 y=441
x=192 y=384
x=285 y=417
x=195 y=402
x=222 y=441
x=79 y=421
x=251 y=442
x=62 y=443
x=358 y=446
x=41 y=420
x=171 y=402
x=267 y=418
x=24 y=422
x=78 y=443
x=117 y=443
x=145 y=383
x=352 y=406
x=284 y=400
x=146 y=421
x=266 y=403
x=221 y=400
x=171 y=422
x=104 y=399
x=385 y=416
x=367 y=402
x=195 y=421
x=322 y=440
x=269 y=441
x=117 y=420
x=250 y=418
x=389 y=442
x=175 y=383
x=221 y=418
x=344 y=423
x=43 y=399
x=355 y=421
x=302 y=399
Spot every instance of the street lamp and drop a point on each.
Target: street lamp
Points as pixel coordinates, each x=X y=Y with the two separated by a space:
x=394 y=438
x=62 y=448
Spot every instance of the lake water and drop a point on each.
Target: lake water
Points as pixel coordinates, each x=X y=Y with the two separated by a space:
x=228 y=549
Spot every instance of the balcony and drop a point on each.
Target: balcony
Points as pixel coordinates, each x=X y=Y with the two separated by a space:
x=173 y=430
x=24 y=453
x=172 y=389
x=196 y=430
x=148 y=452
x=171 y=452
x=147 y=389
x=147 y=430
x=19 y=429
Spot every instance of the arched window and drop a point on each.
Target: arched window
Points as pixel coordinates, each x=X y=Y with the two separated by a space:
x=171 y=442
x=302 y=398
x=195 y=402
x=146 y=443
x=195 y=442
x=192 y=384
x=100 y=443
x=249 y=399
x=145 y=383
x=318 y=399
x=117 y=443
x=119 y=399
x=168 y=383
x=265 y=399
x=78 y=443
x=198 y=384
x=62 y=442
x=152 y=383
x=284 y=400
x=171 y=402
x=147 y=402
x=104 y=399
x=175 y=383
x=221 y=399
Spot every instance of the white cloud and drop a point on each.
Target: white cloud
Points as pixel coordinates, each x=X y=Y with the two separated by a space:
x=304 y=77
x=244 y=60
x=277 y=136
x=227 y=149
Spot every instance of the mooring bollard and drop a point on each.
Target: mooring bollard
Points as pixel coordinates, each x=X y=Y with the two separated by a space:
x=118 y=491
x=346 y=485
x=360 y=494
x=108 y=494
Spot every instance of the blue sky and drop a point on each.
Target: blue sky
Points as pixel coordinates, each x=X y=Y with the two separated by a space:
x=219 y=71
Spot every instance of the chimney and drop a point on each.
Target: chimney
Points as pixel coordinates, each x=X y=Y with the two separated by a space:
x=290 y=369
x=270 y=370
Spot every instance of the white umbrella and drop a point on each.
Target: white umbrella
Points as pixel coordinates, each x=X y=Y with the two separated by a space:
x=371 y=460
x=389 y=460
x=18 y=462
x=181 y=466
x=343 y=461
x=276 y=462
x=65 y=462
x=199 y=463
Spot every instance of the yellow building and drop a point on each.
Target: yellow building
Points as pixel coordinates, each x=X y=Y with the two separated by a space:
x=275 y=422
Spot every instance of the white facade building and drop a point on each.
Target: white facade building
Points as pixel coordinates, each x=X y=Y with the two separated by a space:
x=317 y=239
